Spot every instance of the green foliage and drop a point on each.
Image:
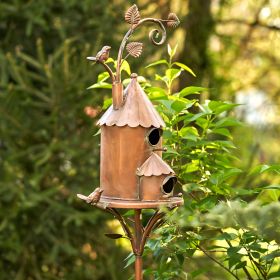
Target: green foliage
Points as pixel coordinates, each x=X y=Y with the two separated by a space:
x=47 y=149
x=47 y=156
x=23 y=22
x=242 y=240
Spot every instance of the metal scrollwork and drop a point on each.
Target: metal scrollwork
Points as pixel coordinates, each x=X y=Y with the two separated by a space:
x=133 y=17
x=157 y=36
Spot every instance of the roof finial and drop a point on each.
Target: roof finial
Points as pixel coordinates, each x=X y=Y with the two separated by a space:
x=133 y=76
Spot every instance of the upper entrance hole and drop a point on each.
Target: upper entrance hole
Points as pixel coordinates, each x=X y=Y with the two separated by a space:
x=154 y=136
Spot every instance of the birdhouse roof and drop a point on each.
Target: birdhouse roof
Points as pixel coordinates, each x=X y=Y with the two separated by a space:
x=154 y=166
x=137 y=110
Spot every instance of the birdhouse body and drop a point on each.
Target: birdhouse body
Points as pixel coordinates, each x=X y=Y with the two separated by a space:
x=147 y=188
x=131 y=169
x=122 y=152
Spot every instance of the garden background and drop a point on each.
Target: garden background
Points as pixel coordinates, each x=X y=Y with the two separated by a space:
x=226 y=156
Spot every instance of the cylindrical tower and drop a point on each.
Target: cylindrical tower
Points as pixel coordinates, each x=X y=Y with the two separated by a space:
x=128 y=136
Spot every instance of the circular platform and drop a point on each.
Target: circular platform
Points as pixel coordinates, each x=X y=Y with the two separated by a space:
x=132 y=204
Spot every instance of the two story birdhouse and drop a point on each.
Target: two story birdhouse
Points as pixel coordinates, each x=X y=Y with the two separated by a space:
x=132 y=172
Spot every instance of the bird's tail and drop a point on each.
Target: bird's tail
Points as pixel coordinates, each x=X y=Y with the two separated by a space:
x=91 y=58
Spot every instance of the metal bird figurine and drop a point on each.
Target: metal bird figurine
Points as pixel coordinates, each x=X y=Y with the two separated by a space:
x=93 y=198
x=102 y=55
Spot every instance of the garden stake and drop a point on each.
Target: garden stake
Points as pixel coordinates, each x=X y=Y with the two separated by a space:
x=132 y=172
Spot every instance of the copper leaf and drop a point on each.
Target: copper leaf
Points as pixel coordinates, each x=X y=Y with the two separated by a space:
x=134 y=49
x=132 y=15
x=173 y=20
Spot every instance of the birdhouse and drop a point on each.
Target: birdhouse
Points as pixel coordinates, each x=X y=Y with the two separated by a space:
x=132 y=172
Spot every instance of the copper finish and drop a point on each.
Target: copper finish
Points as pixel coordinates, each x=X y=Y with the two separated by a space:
x=163 y=149
x=149 y=192
x=101 y=58
x=138 y=267
x=137 y=244
x=93 y=198
x=139 y=234
x=133 y=17
x=102 y=55
x=132 y=172
x=137 y=109
x=170 y=202
x=154 y=166
x=117 y=93
x=123 y=150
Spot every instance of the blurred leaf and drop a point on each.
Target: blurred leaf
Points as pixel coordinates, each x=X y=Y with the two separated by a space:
x=171 y=51
x=162 y=61
x=103 y=77
x=185 y=67
x=219 y=107
x=191 y=90
x=114 y=235
x=274 y=275
x=190 y=133
x=107 y=103
x=156 y=93
x=222 y=131
x=125 y=67
x=172 y=74
x=130 y=259
x=100 y=85
x=269 y=195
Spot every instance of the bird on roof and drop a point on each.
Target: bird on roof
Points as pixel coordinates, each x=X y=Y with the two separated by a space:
x=93 y=198
x=102 y=55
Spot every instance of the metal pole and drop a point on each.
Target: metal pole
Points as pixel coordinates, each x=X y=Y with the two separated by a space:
x=138 y=239
x=138 y=268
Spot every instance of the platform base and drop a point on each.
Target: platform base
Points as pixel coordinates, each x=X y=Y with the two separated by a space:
x=172 y=202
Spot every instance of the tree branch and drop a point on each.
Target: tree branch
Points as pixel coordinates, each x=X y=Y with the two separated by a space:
x=216 y=261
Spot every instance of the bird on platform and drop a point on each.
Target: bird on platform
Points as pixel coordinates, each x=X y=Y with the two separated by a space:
x=102 y=55
x=93 y=198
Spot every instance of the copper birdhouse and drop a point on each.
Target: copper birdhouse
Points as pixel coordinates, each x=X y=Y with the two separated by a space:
x=133 y=174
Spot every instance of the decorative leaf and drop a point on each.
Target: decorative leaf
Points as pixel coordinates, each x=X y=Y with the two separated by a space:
x=173 y=20
x=114 y=235
x=132 y=15
x=134 y=49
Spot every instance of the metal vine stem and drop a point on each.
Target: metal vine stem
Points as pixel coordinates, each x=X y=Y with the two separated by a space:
x=139 y=237
x=133 y=17
x=152 y=35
